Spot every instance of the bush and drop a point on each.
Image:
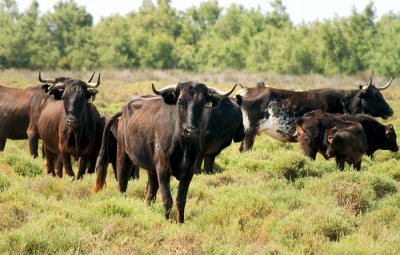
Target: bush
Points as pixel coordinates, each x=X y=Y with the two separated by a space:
x=4 y=183
x=22 y=165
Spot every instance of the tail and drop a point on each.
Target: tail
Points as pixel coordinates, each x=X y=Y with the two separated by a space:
x=102 y=165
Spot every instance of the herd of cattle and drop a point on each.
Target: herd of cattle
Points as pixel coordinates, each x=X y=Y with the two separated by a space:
x=171 y=132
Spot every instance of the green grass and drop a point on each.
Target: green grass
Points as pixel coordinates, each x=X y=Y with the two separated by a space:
x=271 y=200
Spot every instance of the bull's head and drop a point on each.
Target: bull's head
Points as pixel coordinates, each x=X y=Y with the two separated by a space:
x=372 y=102
x=391 y=138
x=190 y=98
x=74 y=93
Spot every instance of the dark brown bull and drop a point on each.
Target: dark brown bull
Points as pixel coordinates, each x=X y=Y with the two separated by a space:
x=159 y=134
x=274 y=110
x=219 y=126
x=379 y=136
x=67 y=125
x=19 y=115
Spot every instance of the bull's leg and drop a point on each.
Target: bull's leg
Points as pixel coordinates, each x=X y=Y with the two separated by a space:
x=91 y=166
x=248 y=141
x=49 y=161
x=82 y=167
x=163 y=180
x=2 y=143
x=33 y=139
x=135 y=173
x=59 y=166
x=357 y=165
x=182 y=195
x=66 y=160
x=197 y=163
x=340 y=163
x=209 y=164
x=124 y=166
x=152 y=187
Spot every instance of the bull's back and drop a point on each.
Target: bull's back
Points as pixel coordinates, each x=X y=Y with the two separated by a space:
x=14 y=112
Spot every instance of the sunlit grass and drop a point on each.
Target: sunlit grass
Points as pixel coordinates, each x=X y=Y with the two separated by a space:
x=268 y=200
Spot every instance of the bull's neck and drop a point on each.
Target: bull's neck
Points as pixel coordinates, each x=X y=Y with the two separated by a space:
x=350 y=101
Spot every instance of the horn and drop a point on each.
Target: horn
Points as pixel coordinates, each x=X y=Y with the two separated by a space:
x=223 y=93
x=45 y=80
x=365 y=87
x=387 y=85
x=59 y=85
x=171 y=88
x=94 y=85
x=91 y=78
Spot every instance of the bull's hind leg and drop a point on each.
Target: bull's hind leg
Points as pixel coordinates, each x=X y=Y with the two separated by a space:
x=152 y=187
x=135 y=173
x=124 y=167
x=49 y=161
x=2 y=143
x=66 y=161
x=33 y=139
x=59 y=166
x=182 y=195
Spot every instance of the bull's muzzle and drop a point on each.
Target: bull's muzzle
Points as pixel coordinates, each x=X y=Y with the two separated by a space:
x=72 y=121
x=190 y=132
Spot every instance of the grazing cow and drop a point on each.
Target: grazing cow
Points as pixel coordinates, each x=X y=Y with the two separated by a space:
x=67 y=125
x=19 y=114
x=274 y=111
x=219 y=125
x=379 y=136
x=160 y=135
x=347 y=144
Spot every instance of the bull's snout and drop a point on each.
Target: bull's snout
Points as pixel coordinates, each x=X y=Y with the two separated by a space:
x=390 y=112
x=190 y=132
x=72 y=121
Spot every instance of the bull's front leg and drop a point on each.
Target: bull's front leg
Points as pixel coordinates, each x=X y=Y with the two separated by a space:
x=209 y=164
x=163 y=177
x=66 y=160
x=82 y=166
x=182 y=195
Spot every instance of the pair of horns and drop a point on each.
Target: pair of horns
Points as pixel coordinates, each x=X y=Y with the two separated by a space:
x=379 y=88
x=61 y=84
x=213 y=90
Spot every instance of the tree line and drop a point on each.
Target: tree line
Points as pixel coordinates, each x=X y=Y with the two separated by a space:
x=199 y=38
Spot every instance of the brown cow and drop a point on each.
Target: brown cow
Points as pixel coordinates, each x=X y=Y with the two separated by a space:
x=67 y=124
x=19 y=114
x=160 y=135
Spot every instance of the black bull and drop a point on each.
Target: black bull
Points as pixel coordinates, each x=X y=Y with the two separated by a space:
x=274 y=111
x=159 y=134
x=68 y=124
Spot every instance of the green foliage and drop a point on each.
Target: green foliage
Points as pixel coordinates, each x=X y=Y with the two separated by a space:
x=206 y=37
x=22 y=165
x=4 y=183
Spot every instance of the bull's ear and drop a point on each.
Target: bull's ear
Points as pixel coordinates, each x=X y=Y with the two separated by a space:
x=57 y=93
x=91 y=93
x=169 y=97
x=45 y=87
x=211 y=101
x=239 y=100
x=361 y=93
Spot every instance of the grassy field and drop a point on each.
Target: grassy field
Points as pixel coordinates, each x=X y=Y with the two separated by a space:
x=271 y=200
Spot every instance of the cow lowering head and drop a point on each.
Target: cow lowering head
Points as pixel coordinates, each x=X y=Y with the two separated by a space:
x=190 y=98
x=391 y=137
x=75 y=94
x=371 y=101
